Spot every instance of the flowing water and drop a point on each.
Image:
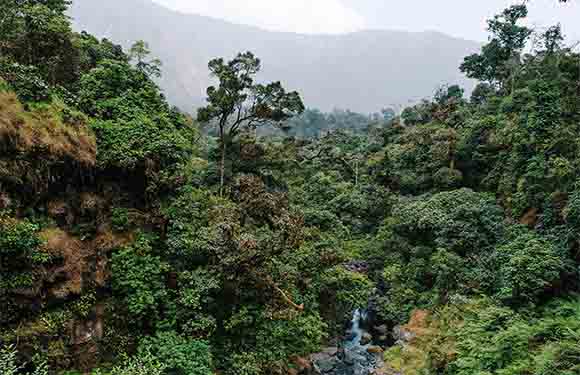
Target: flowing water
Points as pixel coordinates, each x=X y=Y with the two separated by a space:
x=359 y=317
x=353 y=357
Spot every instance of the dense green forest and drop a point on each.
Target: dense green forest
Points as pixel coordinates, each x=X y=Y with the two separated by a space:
x=138 y=240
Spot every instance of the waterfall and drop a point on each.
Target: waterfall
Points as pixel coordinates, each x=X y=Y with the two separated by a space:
x=353 y=356
x=358 y=318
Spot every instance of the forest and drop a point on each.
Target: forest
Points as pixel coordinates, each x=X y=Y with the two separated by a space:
x=240 y=239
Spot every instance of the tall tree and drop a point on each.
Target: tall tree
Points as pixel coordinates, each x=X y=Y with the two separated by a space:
x=495 y=64
x=139 y=54
x=238 y=103
x=38 y=33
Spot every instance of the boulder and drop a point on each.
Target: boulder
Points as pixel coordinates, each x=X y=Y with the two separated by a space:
x=375 y=350
x=325 y=365
x=366 y=338
x=382 y=330
x=350 y=335
x=302 y=364
x=325 y=361
x=352 y=357
x=331 y=350
x=402 y=335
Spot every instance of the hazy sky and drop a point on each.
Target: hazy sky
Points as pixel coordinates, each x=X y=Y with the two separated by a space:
x=462 y=18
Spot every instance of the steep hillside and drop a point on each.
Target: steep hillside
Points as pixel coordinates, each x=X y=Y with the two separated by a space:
x=363 y=71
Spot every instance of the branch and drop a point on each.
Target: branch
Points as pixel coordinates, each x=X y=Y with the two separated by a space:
x=288 y=300
x=315 y=156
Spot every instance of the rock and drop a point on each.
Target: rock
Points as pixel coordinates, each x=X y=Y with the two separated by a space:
x=375 y=350
x=331 y=350
x=359 y=369
x=352 y=357
x=348 y=358
x=366 y=338
x=382 y=330
x=357 y=267
x=385 y=371
x=325 y=365
x=5 y=201
x=302 y=364
x=349 y=336
x=402 y=335
x=325 y=361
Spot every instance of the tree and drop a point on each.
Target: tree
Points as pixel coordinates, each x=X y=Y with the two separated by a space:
x=529 y=266
x=139 y=53
x=35 y=32
x=497 y=58
x=239 y=103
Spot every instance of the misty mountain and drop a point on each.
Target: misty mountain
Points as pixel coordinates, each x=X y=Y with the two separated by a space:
x=363 y=71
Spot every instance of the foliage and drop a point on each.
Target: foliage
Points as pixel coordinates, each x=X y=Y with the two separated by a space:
x=144 y=364
x=239 y=103
x=20 y=239
x=431 y=240
x=529 y=266
x=462 y=214
x=115 y=90
x=179 y=355
x=120 y=219
x=139 y=275
x=9 y=363
x=496 y=340
x=25 y=80
x=351 y=290
x=501 y=54
x=139 y=52
x=279 y=340
x=121 y=143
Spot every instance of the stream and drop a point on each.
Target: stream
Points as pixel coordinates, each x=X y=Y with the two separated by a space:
x=354 y=356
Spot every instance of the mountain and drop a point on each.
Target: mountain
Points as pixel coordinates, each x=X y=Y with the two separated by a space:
x=363 y=71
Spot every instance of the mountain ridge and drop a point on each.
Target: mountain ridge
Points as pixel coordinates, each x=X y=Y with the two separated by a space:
x=384 y=67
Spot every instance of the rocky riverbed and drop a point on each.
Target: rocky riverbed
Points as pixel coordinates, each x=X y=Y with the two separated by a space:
x=356 y=354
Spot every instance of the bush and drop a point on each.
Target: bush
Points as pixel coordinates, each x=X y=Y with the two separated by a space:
x=495 y=340
x=25 y=80
x=141 y=142
x=179 y=355
x=428 y=243
x=9 y=366
x=529 y=265
x=278 y=340
x=20 y=239
x=120 y=219
x=350 y=290
x=139 y=275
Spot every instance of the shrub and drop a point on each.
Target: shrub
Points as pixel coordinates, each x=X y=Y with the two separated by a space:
x=139 y=275
x=179 y=355
x=9 y=366
x=141 y=140
x=278 y=340
x=529 y=265
x=120 y=219
x=351 y=290
x=25 y=80
x=20 y=239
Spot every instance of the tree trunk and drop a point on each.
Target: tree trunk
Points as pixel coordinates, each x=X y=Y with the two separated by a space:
x=223 y=160
x=222 y=168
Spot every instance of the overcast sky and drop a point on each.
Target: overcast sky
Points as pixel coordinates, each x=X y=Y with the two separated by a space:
x=461 y=18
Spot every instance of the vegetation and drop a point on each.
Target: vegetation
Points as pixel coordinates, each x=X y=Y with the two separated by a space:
x=134 y=240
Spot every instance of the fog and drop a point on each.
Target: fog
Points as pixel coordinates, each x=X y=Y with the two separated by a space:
x=460 y=18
